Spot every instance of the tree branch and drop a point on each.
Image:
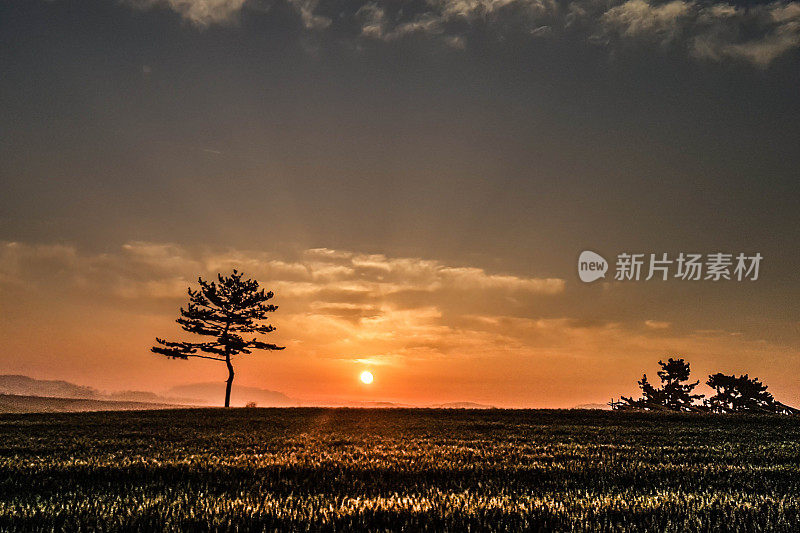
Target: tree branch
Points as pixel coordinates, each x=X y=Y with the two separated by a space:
x=206 y=357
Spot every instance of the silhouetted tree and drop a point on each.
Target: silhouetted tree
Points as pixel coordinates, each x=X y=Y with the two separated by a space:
x=650 y=395
x=675 y=393
x=224 y=310
x=742 y=394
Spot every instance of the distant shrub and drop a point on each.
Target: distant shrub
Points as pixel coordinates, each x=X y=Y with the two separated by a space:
x=251 y=404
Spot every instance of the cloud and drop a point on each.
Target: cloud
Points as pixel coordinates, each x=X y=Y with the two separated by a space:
x=145 y=269
x=202 y=13
x=640 y=19
x=375 y=24
x=335 y=302
x=423 y=321
x=349 y=303
x=450 y=21
x=475 y=278
x=757 y=34
x=706 y=31
x=311 y=21
x=205 y=13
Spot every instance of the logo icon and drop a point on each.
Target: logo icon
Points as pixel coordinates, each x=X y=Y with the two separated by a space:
x=591 y=266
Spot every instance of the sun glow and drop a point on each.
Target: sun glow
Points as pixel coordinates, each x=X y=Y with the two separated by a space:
x=366 y=377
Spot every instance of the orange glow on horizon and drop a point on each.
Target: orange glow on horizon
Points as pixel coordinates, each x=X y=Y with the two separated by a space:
x=435 y=333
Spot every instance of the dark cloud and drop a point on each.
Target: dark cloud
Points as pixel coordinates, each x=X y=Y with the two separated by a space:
x=705 y=30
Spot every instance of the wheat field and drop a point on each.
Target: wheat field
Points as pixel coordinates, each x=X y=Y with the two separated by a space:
x=398 y=470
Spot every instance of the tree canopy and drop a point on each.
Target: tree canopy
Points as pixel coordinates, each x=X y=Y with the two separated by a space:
x=675 y=393
x=740 y=394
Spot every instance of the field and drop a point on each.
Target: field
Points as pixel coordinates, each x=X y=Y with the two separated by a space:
x=351 y=469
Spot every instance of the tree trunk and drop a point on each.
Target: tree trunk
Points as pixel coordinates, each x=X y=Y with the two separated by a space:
x=230 y=381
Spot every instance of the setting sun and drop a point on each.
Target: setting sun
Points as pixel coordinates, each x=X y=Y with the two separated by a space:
x=366 y=377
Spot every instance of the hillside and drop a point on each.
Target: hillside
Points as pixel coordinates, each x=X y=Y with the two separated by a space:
x=14 y=403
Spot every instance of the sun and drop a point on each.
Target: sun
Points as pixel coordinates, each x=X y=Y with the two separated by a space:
x=366 y=377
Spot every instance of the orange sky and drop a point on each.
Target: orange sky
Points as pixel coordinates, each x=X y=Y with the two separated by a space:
x=429 y=332
x=414 y=180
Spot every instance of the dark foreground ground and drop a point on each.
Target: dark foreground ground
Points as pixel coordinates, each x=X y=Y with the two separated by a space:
x=329 y=469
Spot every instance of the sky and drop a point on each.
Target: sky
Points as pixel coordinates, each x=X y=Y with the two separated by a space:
x=415 y=181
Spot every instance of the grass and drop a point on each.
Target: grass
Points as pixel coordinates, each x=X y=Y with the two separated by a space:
x=351 y=469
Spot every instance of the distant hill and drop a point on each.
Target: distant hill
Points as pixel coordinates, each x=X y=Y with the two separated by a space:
x=366 y=404
x=30 y=394
x=26 y=386
x=18 y=385
x=463 y=405
x=13 y=403
x=376 y=405
x=213 y=393
x=142 y=396
x=596 y=406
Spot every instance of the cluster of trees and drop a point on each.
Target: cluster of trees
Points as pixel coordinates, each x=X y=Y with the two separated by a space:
x=734 y=394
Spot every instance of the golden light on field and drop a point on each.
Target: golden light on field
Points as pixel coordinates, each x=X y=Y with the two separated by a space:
x=366 y=377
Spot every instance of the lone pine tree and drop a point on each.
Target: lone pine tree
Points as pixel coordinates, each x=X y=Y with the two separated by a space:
x=224 y=310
